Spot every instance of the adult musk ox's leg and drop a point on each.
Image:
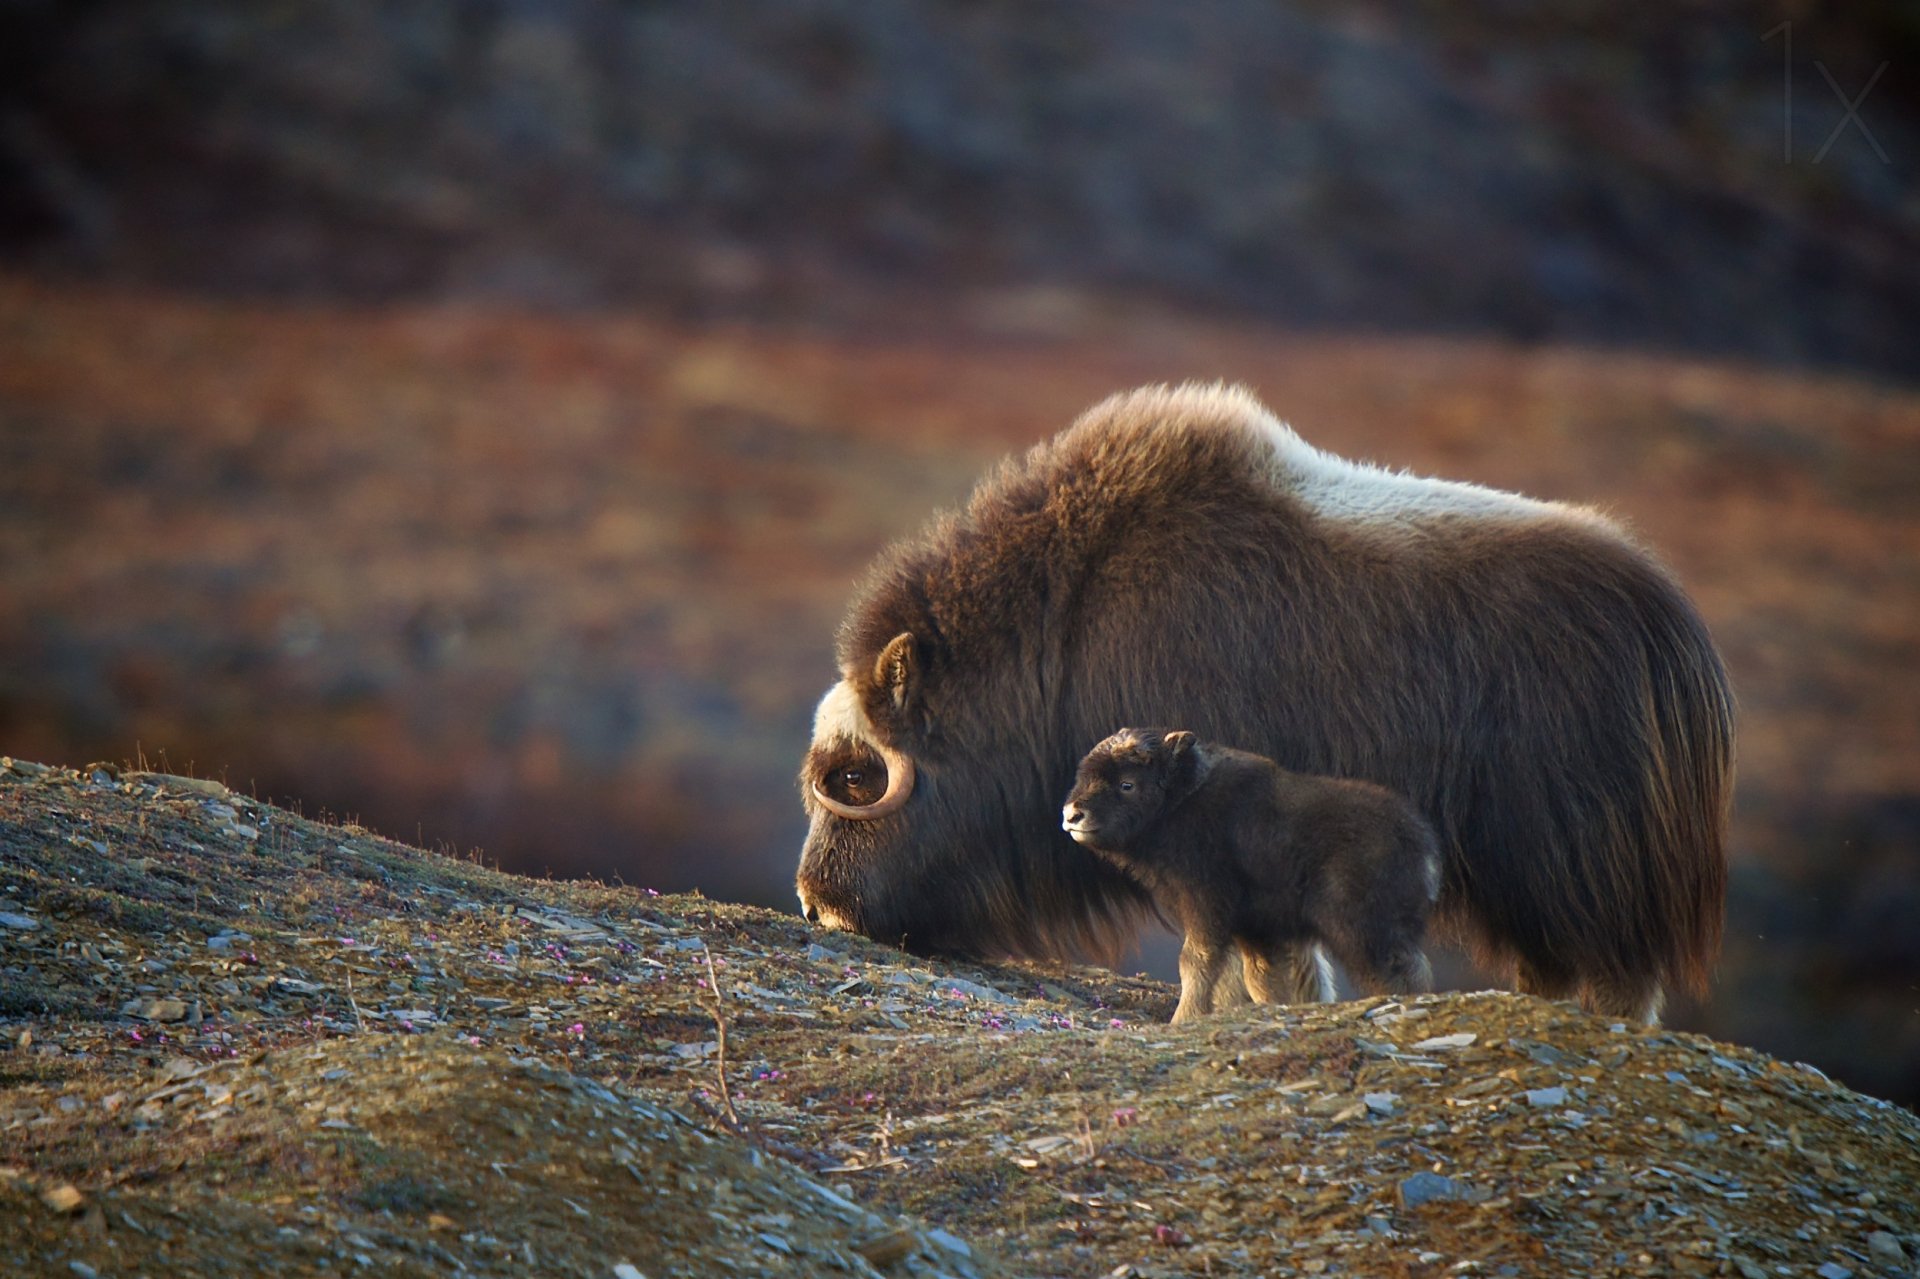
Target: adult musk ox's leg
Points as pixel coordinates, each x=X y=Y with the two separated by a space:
x=1202 y=959
x=1544 y=980
x=1419 y=972
x=1402 y=971
x=1638 y=1001
x=1390 y=960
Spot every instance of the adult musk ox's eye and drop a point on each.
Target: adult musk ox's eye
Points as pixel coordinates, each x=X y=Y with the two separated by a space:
x=858 y=783
x=1126 y=788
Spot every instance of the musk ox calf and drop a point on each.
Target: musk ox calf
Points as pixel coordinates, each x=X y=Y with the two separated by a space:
x=1528 y=675
x=1242 y=853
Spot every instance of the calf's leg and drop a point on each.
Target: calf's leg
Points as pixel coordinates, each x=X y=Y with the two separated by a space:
x=1202 y=959
x=1287 y=973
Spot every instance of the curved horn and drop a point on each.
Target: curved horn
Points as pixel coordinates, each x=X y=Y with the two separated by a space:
x=899 y=786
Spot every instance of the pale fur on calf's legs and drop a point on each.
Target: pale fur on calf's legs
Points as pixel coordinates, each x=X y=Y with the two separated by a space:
x=1201 y=962
x=1231 y=992
x=1312 y=976
x=1288 y=974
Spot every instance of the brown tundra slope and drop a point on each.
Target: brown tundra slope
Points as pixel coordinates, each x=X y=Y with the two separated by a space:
x=565 y=587
x=233 y=1040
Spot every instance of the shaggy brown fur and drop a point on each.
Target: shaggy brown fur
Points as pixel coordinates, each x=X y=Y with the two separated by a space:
x=1533 y=680
x=1244 y=854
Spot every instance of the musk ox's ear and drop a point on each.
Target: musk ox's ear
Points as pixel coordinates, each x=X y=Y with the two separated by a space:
x=897 y=669
x=1177 y=744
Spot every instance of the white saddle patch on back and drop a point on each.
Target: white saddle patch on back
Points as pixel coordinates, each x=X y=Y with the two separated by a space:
x=1346 y=491
x=1361 y=492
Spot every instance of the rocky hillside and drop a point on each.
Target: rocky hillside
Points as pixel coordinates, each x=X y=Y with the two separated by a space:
x=234 y=1039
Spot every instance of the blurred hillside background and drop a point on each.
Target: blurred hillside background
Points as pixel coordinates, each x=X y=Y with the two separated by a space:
x=471 y=418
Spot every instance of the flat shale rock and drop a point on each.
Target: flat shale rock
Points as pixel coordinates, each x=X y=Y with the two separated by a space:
x=237 y=1041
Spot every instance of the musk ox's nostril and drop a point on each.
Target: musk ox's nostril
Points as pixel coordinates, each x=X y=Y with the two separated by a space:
x=810 y=911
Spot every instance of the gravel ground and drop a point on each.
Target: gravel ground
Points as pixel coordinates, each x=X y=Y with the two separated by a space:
x=233 y=1040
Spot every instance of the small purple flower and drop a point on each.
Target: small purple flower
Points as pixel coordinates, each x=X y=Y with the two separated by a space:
x=578 y=1030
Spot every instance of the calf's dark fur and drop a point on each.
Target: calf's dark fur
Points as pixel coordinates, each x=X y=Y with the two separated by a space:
x=1242 y=853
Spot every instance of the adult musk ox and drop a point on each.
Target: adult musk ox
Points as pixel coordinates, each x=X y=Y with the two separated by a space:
x=1523 y=671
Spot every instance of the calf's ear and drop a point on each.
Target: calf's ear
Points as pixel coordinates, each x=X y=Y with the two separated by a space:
x=897 y=669
x=1186 y=763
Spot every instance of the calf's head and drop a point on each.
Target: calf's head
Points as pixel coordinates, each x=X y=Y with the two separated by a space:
x=1127 y=784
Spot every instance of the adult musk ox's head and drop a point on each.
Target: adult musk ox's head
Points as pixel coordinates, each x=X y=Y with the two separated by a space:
x=928 y=826
x=938 y=760
x=857 y=779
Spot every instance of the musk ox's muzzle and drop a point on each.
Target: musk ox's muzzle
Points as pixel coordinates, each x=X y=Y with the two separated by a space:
x=815 y=913
x=836 y=884
x=844 y=782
